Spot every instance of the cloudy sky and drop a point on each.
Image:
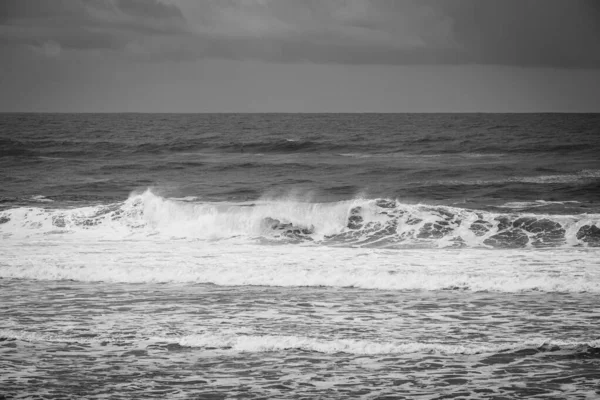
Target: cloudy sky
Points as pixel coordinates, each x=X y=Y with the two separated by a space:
x=300 y=55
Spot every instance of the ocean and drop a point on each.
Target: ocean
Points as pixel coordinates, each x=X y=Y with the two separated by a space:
x=304 y=256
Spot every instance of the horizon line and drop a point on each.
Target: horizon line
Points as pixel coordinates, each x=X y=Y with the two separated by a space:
x=299 y=112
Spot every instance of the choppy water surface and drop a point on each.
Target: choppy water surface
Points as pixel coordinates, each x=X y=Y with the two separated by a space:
x=299 y=256
x=153 y=340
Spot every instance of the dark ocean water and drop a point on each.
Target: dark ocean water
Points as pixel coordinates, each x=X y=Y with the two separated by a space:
x=480 y=160
x=300 y=255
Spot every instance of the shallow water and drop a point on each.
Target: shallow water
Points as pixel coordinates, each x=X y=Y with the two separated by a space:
x=178 y=340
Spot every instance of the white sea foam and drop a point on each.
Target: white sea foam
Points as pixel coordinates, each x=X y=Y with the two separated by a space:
x=233 y=263
x=41 y=199
x=249 y=343
x=582 y=175
x=519 y=205
x=268 y=343
x=357 y=155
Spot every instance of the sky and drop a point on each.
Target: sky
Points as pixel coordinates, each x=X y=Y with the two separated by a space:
x=300 y=55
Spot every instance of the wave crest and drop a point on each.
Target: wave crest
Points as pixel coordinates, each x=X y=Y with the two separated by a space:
x=360 y=222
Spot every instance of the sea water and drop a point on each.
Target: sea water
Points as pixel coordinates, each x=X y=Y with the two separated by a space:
x=300 y=256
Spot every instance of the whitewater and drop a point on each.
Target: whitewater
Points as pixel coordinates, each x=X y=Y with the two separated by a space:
x=148 y=238
x=351 y=256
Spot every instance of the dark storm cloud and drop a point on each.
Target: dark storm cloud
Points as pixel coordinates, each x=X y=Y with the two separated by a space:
x=86 y=24
x=527 y=32
x=557 y=33
x=149 y=9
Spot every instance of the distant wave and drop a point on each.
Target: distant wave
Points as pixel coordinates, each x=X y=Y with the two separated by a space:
x=13 y=148
x=402 y=154
x=382 y=223
x=520 y=205
x=559 y=178
x=282 y=146
x=51 y=149
x=580 y=177
x=57 y=148
x=357 y=155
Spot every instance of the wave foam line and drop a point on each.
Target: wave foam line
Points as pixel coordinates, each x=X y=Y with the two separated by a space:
x=273 y=343
x=278 y=343
x=231 y=264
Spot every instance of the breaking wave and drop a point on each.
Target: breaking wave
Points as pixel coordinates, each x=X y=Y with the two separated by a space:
x=381 y=223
